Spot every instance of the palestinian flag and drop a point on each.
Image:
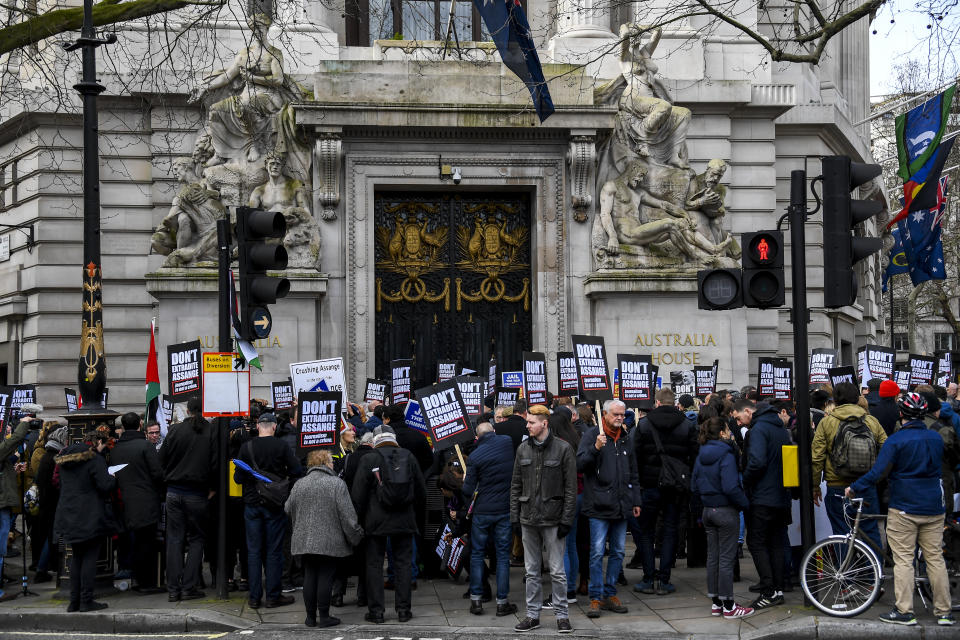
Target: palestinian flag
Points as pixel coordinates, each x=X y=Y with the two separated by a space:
x=153 y=383
x=247 y=351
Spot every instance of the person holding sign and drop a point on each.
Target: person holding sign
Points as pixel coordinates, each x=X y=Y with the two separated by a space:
x=10 y=494
x=611 y=494
x=543 y=503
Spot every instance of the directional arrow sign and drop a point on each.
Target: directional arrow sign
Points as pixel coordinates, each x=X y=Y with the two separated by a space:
x=262 y=322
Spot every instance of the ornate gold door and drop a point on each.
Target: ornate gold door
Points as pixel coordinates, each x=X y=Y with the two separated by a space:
x=452 y=280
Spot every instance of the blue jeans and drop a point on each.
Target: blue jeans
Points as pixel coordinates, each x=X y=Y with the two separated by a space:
x=604 y=586
x=483 y=526
x=835 y=513
x=653 y=505
x=6 y=521
x=265 y=530
x=571 y=559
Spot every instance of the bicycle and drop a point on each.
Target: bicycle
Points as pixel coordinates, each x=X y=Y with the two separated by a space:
x=842 y=575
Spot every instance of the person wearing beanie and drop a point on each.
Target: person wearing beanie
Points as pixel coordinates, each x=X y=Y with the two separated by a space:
x=48 y=495
x=847 y=414
x=883 y=404
x=388 y=491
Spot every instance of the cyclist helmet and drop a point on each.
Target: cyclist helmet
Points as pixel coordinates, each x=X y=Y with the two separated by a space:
x=913 y=406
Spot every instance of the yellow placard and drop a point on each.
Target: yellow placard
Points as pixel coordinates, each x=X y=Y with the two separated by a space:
x=791 y=465
x=236 y=491
x=217 y=362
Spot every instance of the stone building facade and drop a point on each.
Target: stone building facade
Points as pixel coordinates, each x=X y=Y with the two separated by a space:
x=399 y=134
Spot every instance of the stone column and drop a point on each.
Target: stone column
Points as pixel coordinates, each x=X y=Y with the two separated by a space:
x=583 y=35
x=583 y=19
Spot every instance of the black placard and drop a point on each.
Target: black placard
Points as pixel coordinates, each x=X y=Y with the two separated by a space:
x=944 y=368
x=71 y=397
x=167 y=408
x=921 y=368
x=318 y=420
x=446 y=370
x=782 y=379
x=765 y=376
x=6 y=395
x=842 y=374
x=567 y=381
x=901 y=375
x=402 y=373
x=636 y=382
x=683 y=382
x=183 y=371
x=471 y=391
x=593 y=378
x=376 y=390
x=492 y=376
x=876 y=362
x=821 y=361
x=507 y=397
x=22 y=394
x=534 y=377
x=706 y=380
x=282 y=395
x=442 y=408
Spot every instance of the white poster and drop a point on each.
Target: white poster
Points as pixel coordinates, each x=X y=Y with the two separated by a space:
x=319 y=375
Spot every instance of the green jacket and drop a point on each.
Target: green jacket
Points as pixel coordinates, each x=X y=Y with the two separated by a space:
x=10 y=493
x=823 y=442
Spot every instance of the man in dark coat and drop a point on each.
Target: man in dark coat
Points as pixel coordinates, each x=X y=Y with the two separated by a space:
x=513 y=424
x=884 y=408
x=407 y=437
x=140 y=483
x=678 y=435
x=396 y=521
x=611 y=494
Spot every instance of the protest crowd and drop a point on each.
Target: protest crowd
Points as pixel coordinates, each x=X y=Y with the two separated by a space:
x=476 y=485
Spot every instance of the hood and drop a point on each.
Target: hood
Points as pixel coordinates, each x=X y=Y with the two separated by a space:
x=132 y=435
x=766 y=413
x=714 y=450
x=75 y=454
x=845 y=411
x=666 y=418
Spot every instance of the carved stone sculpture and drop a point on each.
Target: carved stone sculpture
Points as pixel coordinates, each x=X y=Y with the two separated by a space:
x=288 y=196
x=188 y=233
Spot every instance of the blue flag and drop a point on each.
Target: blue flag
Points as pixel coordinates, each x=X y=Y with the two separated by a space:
x=508 y=26
x=922 y=240
x=898 y=259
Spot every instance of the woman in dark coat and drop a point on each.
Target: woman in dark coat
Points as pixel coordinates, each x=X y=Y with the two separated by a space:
x=82 y=518
x=49 y=496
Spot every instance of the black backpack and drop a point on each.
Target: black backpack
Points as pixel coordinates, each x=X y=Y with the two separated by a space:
x=394 y=481
x=854 y=449
x=674 y=474
x=273 y=494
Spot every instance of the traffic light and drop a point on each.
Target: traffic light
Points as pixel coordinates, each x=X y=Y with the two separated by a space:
x=763 y=269
x=841 y=214
x=257 y=290
x=719 y=289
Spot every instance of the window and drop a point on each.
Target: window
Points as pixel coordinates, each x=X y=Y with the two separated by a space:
x=370 y=20
x=943 y=341
x=900 y=342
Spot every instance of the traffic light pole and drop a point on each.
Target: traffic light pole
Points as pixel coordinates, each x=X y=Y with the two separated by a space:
x=798 y=218
x=223 y=424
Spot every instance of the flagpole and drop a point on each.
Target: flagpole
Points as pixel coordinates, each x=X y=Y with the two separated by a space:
x=903 y=103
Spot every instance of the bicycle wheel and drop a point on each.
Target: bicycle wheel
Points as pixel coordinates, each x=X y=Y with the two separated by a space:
x=845 y=592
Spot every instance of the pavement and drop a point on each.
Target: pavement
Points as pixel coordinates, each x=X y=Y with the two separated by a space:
x=441 y=613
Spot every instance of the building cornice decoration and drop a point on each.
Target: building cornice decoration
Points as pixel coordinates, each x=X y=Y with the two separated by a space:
x=329 y=155
x=582 y=158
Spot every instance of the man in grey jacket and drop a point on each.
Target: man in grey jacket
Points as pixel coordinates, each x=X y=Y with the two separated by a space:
x=543 y=501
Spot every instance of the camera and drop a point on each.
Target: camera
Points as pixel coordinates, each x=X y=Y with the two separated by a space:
x=457 y=176
x=35 y=423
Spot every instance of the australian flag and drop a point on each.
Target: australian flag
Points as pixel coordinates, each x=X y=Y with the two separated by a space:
x=922 y=241
x=508 y=26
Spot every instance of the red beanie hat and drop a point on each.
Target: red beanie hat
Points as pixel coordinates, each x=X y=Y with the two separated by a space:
x=889 y=389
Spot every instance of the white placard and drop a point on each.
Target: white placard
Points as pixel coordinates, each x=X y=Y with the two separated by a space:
x=308 y=376
x=226 y=392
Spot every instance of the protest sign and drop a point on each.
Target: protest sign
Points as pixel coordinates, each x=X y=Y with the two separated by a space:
x=507 y=397
x=944 y=368
x=765 y=377
x=71 y=397
x=443 y=409
x=534 y=377
x=166 y=407
x=282 y=395
x=6 y=394
x=683 y=382
x=471 y=390
x=636 y=383
x=22 y=394
x=901 y=375
x=414 y=417
x=400 y=376
x=821 y=361
x=875 y=362
x=921 y=368
x=492 y=376
x=567 y=383
x=842 y=374
x=183 y=371
x=376 y=390
x=317 y=374
x=226 y=391
x=616 y=382
x=593 y=379
x=318 y=420
x=706 y=378
x=446 y=369
x=782 y=379
x=511 y=379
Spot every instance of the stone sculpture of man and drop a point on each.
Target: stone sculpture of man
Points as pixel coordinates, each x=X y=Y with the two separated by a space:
x=188 y=233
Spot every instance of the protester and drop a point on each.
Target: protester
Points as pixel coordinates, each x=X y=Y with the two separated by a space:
x=884 y=406
x=190 y=470
x=512 y=422
x=388 y=489
x=325 y=529
x=911 y=458
x=677 y=436
x=407 y=437
x=543 y=500
x=951 y=446
x=487 y=487
x=82 y=519
x=154 y=436
x=10 y=494
x=140 y=483
x=560 y=426
x=611 y=494
x=48 y=493
x=264 y=520
x=716 y=484
x=769 y=512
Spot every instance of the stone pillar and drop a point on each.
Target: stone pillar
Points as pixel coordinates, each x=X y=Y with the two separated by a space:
x=583 y=36
x=583 y=19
